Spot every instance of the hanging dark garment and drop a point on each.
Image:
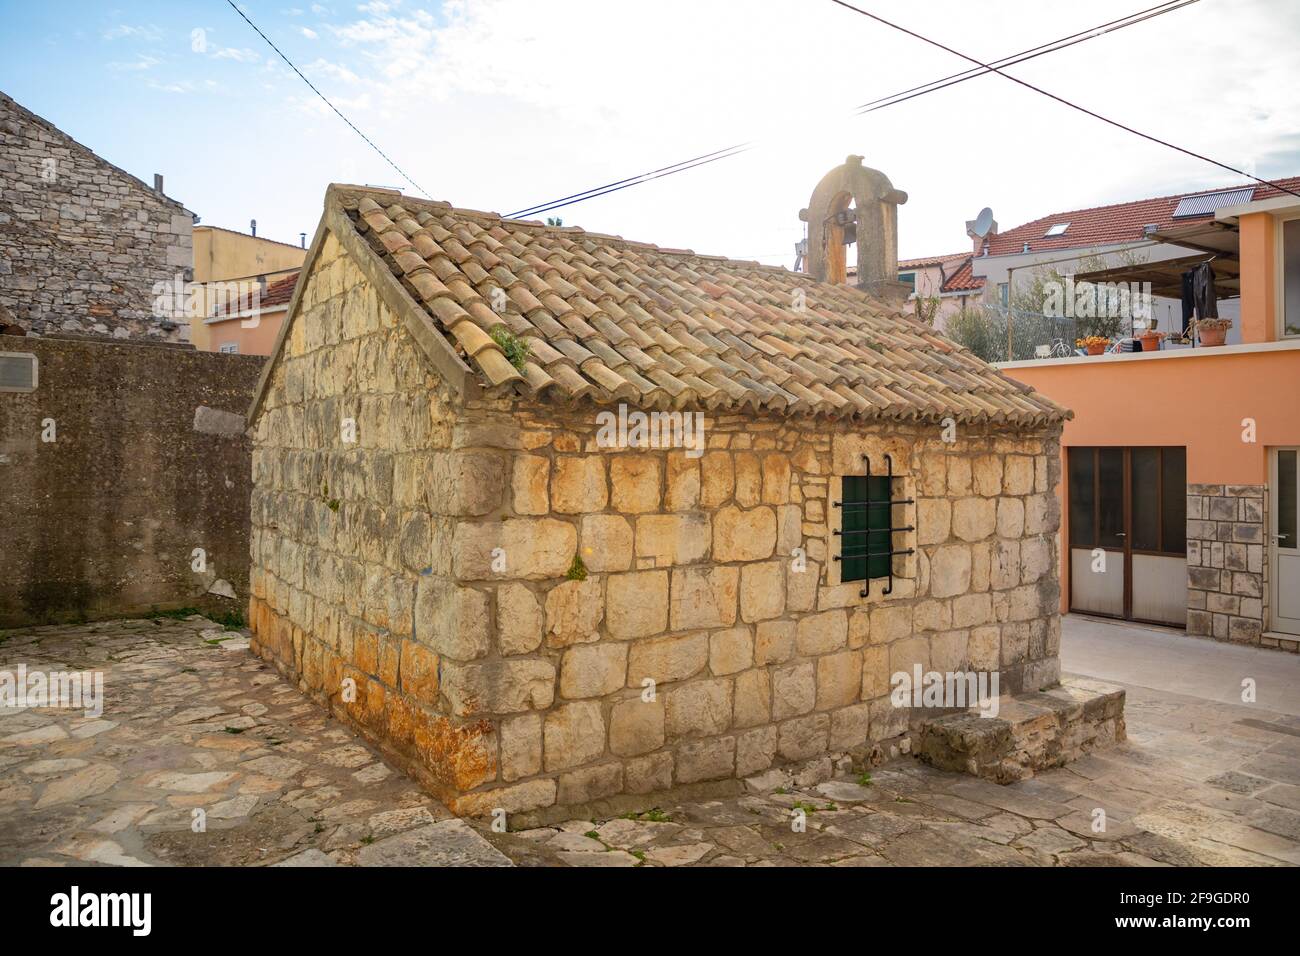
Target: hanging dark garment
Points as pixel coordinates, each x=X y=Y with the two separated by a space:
x=1189 y=299
x=1207 y=300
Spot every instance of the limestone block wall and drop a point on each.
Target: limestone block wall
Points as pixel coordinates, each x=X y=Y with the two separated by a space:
x=692 y=582
x=82 y=243
x=530 y=620
x=1227 y=566
x=355 y=484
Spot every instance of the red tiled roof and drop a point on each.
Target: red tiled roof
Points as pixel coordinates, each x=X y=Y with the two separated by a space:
x=930 y=260
x=278 y=292
x=963 y=280
x=612 y=320
x=1108 y=225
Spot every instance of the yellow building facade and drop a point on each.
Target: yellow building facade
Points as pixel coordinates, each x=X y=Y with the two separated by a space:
x=226 y=261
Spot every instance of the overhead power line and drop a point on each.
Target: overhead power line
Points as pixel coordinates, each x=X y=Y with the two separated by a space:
x=337 y=112
x=704 y=159
x=1065 y=102
x=1169 y=6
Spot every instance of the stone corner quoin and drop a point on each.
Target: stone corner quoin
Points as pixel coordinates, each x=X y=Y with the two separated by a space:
x=491 y=596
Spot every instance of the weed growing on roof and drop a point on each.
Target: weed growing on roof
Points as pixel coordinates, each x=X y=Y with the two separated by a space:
x=515 y=348
x=577 y=570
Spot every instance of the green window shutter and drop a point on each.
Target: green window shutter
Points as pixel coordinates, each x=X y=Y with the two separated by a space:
x=865 y=556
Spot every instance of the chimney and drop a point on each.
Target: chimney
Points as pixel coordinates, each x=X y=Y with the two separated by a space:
x=980 y=229
x=252 y=225
x=261 y=286
x=302 y=239
x=158 y=183
x=854 y=203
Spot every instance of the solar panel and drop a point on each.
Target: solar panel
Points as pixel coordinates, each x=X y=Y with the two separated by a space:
x=1206 y=203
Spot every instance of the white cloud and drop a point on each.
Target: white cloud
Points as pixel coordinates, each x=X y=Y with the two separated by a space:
x=499 y=103
x=239 y=55
x=125 y=30
x=309 y=33
x=140 y=63
x=182 y=86
x=334 y=71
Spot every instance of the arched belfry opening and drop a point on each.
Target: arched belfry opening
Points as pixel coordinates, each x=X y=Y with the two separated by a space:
x=857 y=206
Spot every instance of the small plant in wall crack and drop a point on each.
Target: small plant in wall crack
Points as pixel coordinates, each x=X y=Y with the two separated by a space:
x=577 y=570
x=331 y=503
x=515 y=348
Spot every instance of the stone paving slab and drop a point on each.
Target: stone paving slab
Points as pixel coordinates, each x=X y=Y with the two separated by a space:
x=1174 y=800
x=192 y=722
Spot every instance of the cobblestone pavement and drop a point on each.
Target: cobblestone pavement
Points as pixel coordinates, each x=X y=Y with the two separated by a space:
x=1196 y=784
x=192 y=722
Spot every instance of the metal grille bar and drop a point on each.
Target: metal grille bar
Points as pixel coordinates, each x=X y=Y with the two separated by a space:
x=863 y=550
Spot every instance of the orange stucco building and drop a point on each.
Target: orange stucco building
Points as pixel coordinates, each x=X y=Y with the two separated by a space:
x=1179 y=496
x=250 y=324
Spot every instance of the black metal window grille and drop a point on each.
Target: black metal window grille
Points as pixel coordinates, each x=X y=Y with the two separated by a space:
x=866 y=531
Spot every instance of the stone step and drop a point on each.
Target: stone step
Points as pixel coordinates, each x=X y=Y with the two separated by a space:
x=1031 y=732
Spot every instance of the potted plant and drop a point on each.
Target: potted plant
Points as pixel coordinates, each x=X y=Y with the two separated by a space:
x=1212 y=331
x=1094 y=344
x=1151 y=340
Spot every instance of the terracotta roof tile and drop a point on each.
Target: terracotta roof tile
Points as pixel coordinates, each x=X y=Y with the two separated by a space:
x=904 y=264
x=278 y=292
x=963 y=280
x=1107 y=225
x=613 y=320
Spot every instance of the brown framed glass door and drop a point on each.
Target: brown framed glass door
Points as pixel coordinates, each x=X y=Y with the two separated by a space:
x=1127 y=526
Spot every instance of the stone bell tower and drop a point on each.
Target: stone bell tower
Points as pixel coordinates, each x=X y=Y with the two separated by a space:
x=854 y=203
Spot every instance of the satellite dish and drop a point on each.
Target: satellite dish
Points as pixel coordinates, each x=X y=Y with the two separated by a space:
x=983 y=222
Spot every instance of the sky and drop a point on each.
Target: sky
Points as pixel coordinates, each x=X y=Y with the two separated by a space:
x=502 y=104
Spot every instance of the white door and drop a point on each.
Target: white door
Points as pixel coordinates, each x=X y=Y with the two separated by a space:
x=1285 y=541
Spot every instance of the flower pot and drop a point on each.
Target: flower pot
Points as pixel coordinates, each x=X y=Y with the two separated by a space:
x=1213 y=336
x=1150 y=342
x=1096 y=349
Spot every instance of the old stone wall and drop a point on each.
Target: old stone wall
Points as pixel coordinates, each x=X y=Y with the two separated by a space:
x=356 y=485
x=714 y=580
x=1227 y=567
x=526 y=619
x=82 y=243
x=107 y=486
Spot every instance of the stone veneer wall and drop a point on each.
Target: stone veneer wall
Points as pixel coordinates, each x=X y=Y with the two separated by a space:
x=1227 y=566
x=518 y=686
x=82 y=242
